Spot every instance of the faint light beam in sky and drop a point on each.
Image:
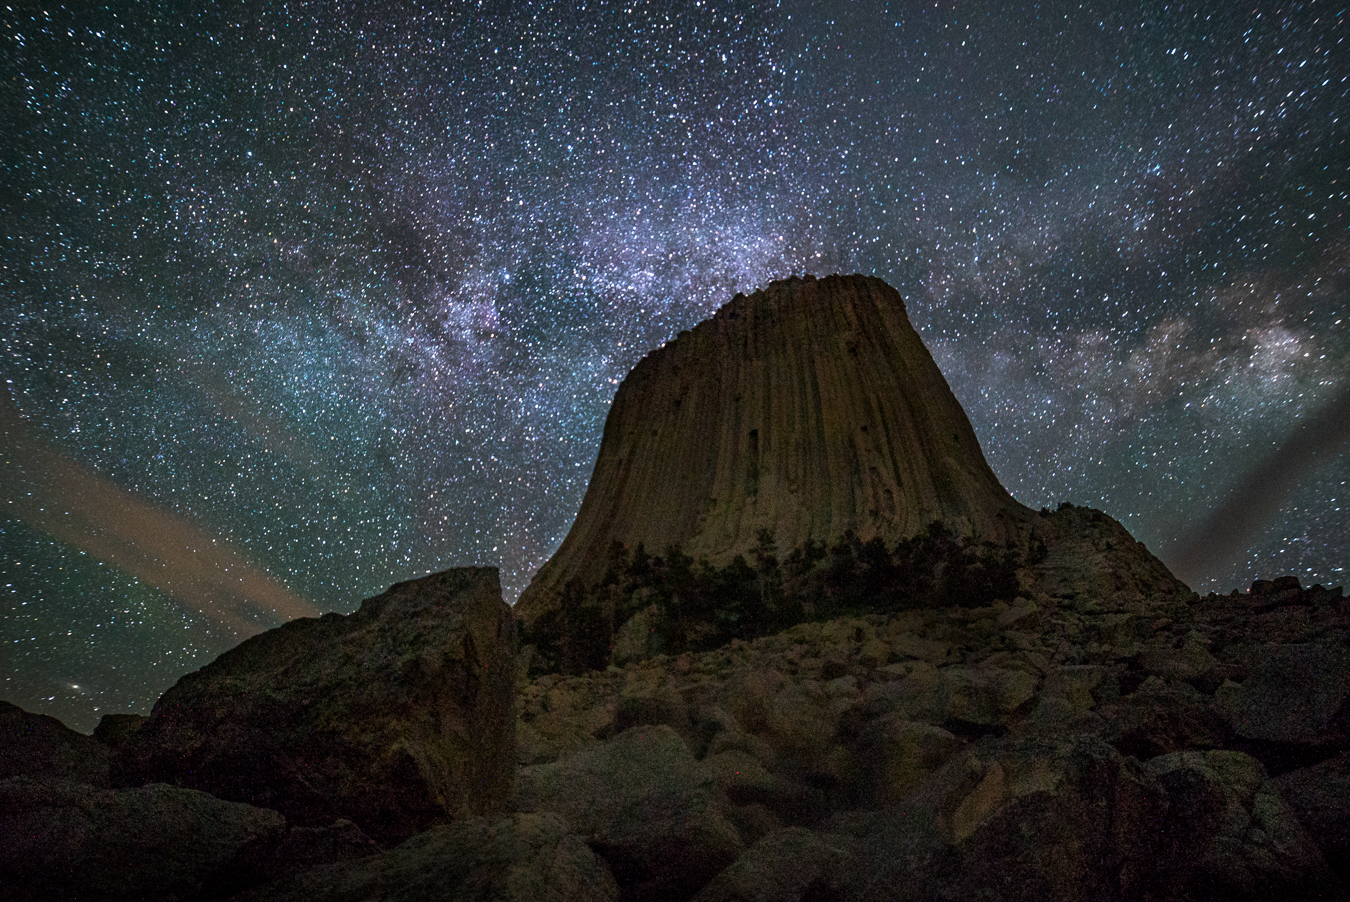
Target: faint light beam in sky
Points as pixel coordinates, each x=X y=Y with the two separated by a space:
x=1258 y=495
x=71 y=502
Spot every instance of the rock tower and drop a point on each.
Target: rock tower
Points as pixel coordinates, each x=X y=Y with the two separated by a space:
x=809 y=409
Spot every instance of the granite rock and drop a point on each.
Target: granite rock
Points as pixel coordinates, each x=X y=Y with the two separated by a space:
x=153 y=843
x=1293 y=694
x=497 y=858
x=1319 y=797
x=118 y=731
x=645 y=804
x=790 y=865
x=394 y=717
x=1228 y=833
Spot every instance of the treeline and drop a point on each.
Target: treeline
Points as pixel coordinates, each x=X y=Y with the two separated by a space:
x=694 y=606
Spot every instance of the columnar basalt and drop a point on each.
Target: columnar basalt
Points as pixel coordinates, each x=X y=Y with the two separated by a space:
x=806 y=412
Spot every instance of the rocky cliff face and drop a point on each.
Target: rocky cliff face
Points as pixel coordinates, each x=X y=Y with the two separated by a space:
x=808 y=410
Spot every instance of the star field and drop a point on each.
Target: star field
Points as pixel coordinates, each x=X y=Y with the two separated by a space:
x=300 y=299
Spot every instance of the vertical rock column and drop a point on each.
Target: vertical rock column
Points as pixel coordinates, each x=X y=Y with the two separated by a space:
x=809 y=409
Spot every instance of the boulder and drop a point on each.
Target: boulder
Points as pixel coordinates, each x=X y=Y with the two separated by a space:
x=1081 y=685
x=394 y=717
x=897 y=756
x=1073 y=819
x=1066 y=813
x=1010 y=820
x=1292 y=694
x=1163 y=716
x=1319 y=796
x=793 y=717
x=65 y=840
x=1229 y=835
x=981 y=697
x=645 y=804
x=41 y=746
x=306 y=848
x=499 y=858
x=118 y=731
x=1192 y=661
x=633 y=640
x=788 y=865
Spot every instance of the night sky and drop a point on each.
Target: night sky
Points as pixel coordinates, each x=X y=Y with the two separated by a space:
x=301 y=299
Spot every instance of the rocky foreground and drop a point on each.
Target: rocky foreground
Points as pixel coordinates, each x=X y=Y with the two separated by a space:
x=1104 y=735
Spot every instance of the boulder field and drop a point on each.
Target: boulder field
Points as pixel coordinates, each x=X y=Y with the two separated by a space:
x=1065 y=744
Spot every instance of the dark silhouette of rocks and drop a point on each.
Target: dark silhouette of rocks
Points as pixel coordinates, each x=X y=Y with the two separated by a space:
x=1317 y=796
x=500 y=858
x=1058 y=746
x=118 y=731
x=68 y=840
x=395 y=717
x=38 y=745
x=657 y=820
x=953 y=698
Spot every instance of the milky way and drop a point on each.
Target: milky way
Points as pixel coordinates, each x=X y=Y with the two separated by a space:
x=300 y=299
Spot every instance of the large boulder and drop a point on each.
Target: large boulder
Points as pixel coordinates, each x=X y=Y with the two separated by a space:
x=1319 y=796
x=1292 y=695
x=39 y=745
x=395 y=717
x=1228 y=834
x=1036 y=818
x=118 y=731
x=644 y=802
x=790 y=865
x=500 y=858
x=982 y=697
x=898 y=755
x=1162 y=716
x=66 y=840
x=1039 y=818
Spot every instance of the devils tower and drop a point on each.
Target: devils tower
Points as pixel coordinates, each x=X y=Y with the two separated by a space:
x=807 y=411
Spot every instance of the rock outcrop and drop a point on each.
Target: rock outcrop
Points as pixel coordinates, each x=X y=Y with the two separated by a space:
x=154 y=843
x=806 y=411
x=38 y=745
x=395 y=717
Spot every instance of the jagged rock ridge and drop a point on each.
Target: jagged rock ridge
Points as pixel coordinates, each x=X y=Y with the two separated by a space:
x=811 y=410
